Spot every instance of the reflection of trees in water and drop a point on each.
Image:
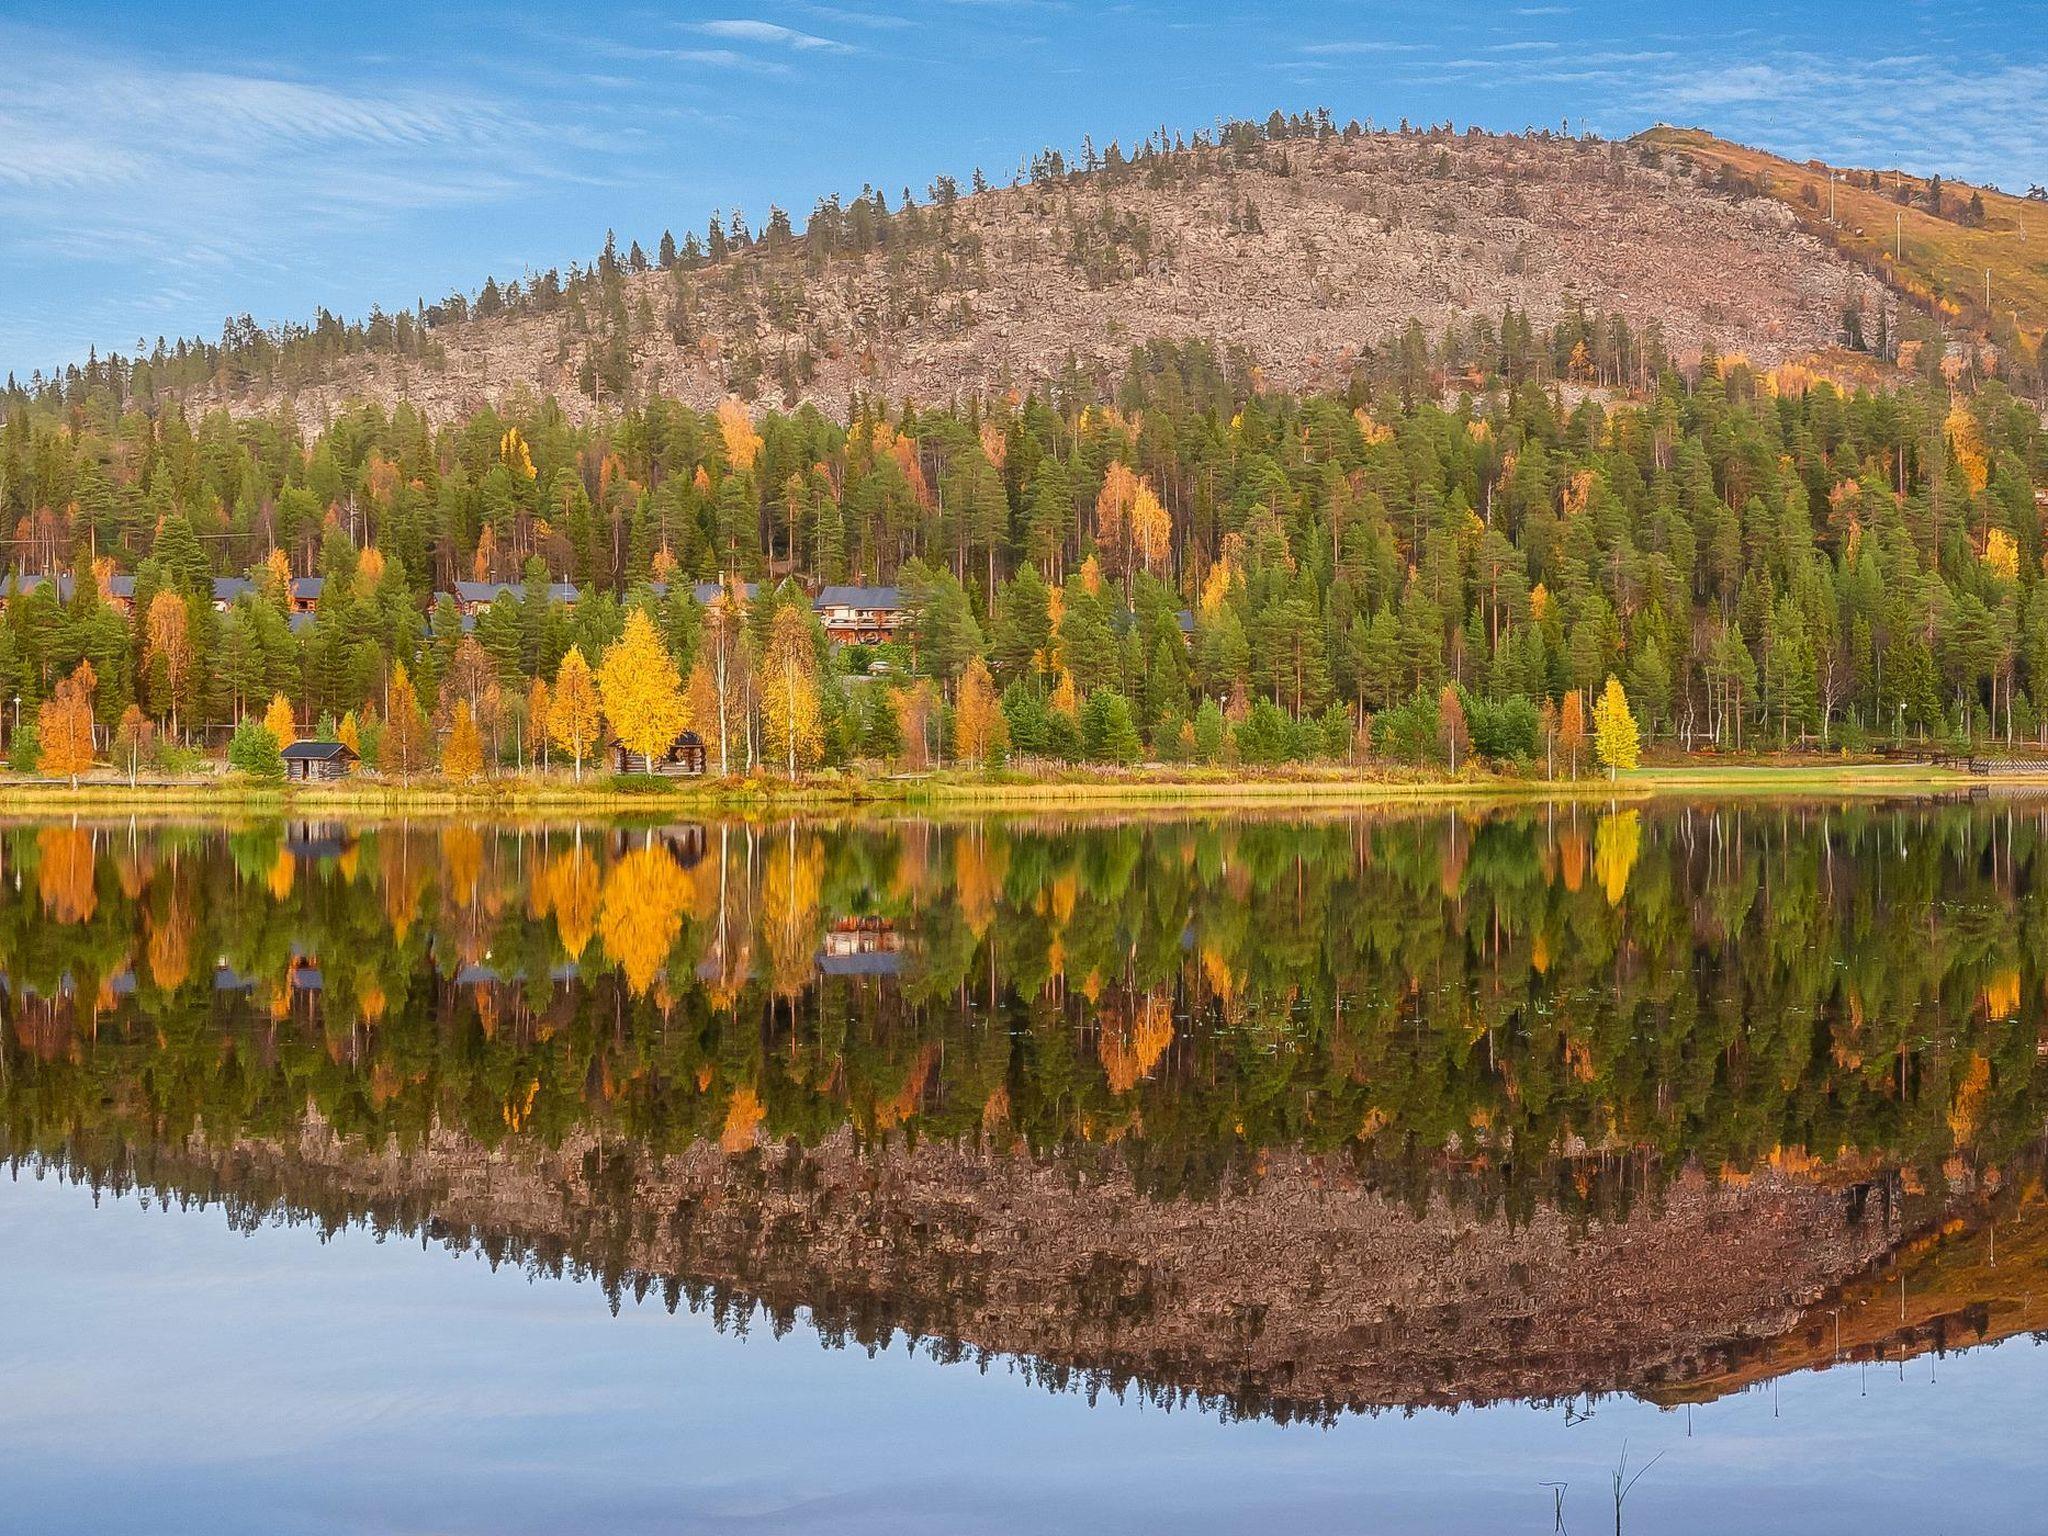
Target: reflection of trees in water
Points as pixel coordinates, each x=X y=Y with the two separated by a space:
x=1545 y=1006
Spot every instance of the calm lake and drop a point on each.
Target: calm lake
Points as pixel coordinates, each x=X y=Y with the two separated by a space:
x=1391 y=1171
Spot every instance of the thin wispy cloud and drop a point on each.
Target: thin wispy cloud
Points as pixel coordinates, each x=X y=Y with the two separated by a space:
x=1361 y=46
x=746 y=30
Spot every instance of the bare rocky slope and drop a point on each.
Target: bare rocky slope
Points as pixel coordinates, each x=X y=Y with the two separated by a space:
x=1305 y=1293
x=1301 y=252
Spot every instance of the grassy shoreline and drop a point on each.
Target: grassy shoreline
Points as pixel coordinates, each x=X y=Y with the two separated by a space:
x=967 y=790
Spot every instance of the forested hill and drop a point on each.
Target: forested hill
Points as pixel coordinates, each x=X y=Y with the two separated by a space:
x=1307 y=248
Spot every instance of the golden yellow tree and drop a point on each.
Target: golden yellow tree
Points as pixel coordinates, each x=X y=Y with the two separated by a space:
x=167 y=653
x=280 y=722
x=572 y=718
x=406 y=742
x=736 y=427
x=1151 y=527
x=980 y=730
x=463 y=758
x=640 y=691
x=64 y=727
x=1616 y=738
x=791 y=719
x=350 y=734
x=537 y=705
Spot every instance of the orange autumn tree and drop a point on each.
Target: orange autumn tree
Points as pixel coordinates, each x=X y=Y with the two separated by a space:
x=64 y=727
x=1571 y=730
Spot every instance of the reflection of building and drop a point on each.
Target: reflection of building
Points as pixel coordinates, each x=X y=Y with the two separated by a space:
x=861 y=946
x=684 y=758
x=860 y=615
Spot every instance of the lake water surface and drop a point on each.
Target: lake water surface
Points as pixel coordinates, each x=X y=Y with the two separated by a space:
x=1364 y=1172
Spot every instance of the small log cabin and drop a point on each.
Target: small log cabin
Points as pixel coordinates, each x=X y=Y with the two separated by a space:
x=314 y=760
x=684 y=758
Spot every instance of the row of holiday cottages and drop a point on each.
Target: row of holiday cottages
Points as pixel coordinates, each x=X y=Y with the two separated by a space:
x=851 y=615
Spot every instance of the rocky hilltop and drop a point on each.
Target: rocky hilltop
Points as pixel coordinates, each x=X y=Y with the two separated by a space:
x=1292 y=256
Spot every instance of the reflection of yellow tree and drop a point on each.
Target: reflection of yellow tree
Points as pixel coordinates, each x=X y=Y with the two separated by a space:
x=1131 y=1047
x=789 y=908
x=1616 y=843
x=284 y=870
x=170 y=946
x=462 y=859
x=405 y=872
x=642 y=913
x=743 y=1116
x=981 y=860
x=571 y=890
x=64 y=871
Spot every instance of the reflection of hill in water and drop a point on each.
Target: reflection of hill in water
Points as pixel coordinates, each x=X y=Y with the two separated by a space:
x=1373 y=1109
x=1302 y=1294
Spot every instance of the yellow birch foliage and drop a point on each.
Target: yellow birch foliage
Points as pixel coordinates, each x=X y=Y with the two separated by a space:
x=1616 y=843
x=1151 y=527
x=792 y=723
x=1130 y=1048
x=571 y=714
x=1571 y=730
x=572 y=890
x=1967 y=444
x=1616 y=739
x=463 y=758
x=639 y=688
x=791 y=881
x=2002 y=555
x=736 y=427
x=980 y=729
x=280 y=722
x=1113 y=503
x=642 y=913
x=405 y=744
x=349 y=734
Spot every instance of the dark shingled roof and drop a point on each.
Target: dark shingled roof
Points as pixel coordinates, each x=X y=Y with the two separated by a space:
x=317 y=751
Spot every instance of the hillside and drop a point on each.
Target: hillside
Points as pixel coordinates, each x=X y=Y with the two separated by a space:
x=1304 y=249
x=1885 y=222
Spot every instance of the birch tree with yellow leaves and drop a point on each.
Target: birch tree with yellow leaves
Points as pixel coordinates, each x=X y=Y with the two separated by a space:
x=572 y=713
x=640 y=691
x=792 y=725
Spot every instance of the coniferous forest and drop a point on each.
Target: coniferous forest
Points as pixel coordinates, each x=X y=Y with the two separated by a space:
x=1430 y=566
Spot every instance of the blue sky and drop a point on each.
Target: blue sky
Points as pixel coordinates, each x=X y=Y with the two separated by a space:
x=164 y=166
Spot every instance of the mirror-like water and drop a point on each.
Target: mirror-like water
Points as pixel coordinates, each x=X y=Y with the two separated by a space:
x=1364 y=1172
